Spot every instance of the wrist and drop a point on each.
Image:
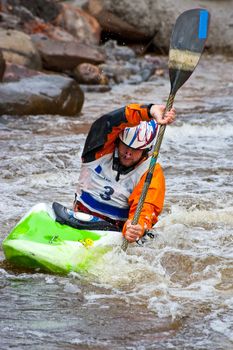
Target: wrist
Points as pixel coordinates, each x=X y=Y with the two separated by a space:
x=150 y=115
x=155 y=113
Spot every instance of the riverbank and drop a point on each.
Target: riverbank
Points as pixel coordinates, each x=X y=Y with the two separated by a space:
x=89 y=45
x=64 y=44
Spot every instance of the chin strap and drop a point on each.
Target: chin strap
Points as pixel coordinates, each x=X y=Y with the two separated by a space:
x=121 y=169
x=118 y=167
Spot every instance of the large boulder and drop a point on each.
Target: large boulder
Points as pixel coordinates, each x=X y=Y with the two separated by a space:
x=45 y=94
x=113 y=21
x=220 y=33
x=157 y=18
x=62 y=56
x=18 y=48
x=80 y=24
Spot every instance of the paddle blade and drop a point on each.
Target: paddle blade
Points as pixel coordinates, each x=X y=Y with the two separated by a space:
x=187 y=43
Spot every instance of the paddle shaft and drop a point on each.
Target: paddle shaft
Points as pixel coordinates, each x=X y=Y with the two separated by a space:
x=152 y=164
x=186 y=46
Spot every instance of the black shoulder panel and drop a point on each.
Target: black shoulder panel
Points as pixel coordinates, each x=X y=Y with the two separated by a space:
x=99 y=131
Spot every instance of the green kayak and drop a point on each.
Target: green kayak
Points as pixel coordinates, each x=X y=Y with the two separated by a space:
x=40 y=242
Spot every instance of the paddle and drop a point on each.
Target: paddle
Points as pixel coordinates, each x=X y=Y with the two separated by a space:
x=186 y=45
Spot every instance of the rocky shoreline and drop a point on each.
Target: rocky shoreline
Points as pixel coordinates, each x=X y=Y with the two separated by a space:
x=51 y=52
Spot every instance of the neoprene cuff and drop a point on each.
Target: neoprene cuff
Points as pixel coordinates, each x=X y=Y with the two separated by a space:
x=148 y=110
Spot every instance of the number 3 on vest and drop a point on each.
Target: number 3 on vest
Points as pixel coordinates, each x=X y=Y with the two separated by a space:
x=107 y=194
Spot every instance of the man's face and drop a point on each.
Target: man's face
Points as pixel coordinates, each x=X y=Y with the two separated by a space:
x=127 y=155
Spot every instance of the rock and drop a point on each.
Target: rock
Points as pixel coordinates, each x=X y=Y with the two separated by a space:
x=157 y=61
x=95 y=88
x=78 y=3
x=157 y=18
x=49 y=94
x=22 y=13
x=79 y=23
x=133 y=71
x=141 y=48
x=59 y=34
x=122 y=65
x=9 y=21
x=118 y=72
x=114 y=22
x=115 y=52
x=61 y=56
x=15 y=72
x=220 y=37
x=160 y=72
x=18 y=48
x=38 y=26
x=2 y=66
x=86 y=73
x=48 y=10
x=27 y=22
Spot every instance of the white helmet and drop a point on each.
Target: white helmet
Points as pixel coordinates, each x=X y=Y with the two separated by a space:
x=141 y=136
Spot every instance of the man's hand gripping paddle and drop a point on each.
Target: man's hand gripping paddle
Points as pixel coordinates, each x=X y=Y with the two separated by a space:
x=186 y=45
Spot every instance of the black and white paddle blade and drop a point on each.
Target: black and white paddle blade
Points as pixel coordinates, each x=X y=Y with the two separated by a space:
x=186 y=46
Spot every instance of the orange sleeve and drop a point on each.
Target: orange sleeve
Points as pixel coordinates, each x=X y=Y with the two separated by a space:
x=154 y=200
x=135 y=113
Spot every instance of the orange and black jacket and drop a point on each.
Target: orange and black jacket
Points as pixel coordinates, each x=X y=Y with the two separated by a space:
x=101 y=140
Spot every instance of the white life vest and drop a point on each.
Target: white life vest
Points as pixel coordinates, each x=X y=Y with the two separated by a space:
x=100 y=192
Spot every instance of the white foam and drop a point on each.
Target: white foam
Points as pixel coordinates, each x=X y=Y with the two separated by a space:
x=197 y=217
x=165 y=307
x=71 y=288
x=184 y=132
x=223 y=327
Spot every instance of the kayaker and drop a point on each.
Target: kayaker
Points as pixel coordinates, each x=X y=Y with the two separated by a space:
x=115 y=161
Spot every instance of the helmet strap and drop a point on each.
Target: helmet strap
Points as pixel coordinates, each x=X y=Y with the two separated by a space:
x=145 y=153
x=121 y=169
x=118 y=167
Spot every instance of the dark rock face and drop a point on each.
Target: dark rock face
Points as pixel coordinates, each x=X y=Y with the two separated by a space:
x=43 y=94
x=2 y=66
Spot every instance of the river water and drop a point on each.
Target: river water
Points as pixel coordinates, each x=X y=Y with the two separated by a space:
x=174 y=293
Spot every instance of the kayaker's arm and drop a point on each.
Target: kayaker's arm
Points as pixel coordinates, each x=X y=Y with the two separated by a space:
x=154 y=201
x=105 y=130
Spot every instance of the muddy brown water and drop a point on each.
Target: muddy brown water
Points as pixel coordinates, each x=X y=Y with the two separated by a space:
x=174 y=293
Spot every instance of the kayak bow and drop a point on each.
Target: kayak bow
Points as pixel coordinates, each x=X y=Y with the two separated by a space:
x=38 y=241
